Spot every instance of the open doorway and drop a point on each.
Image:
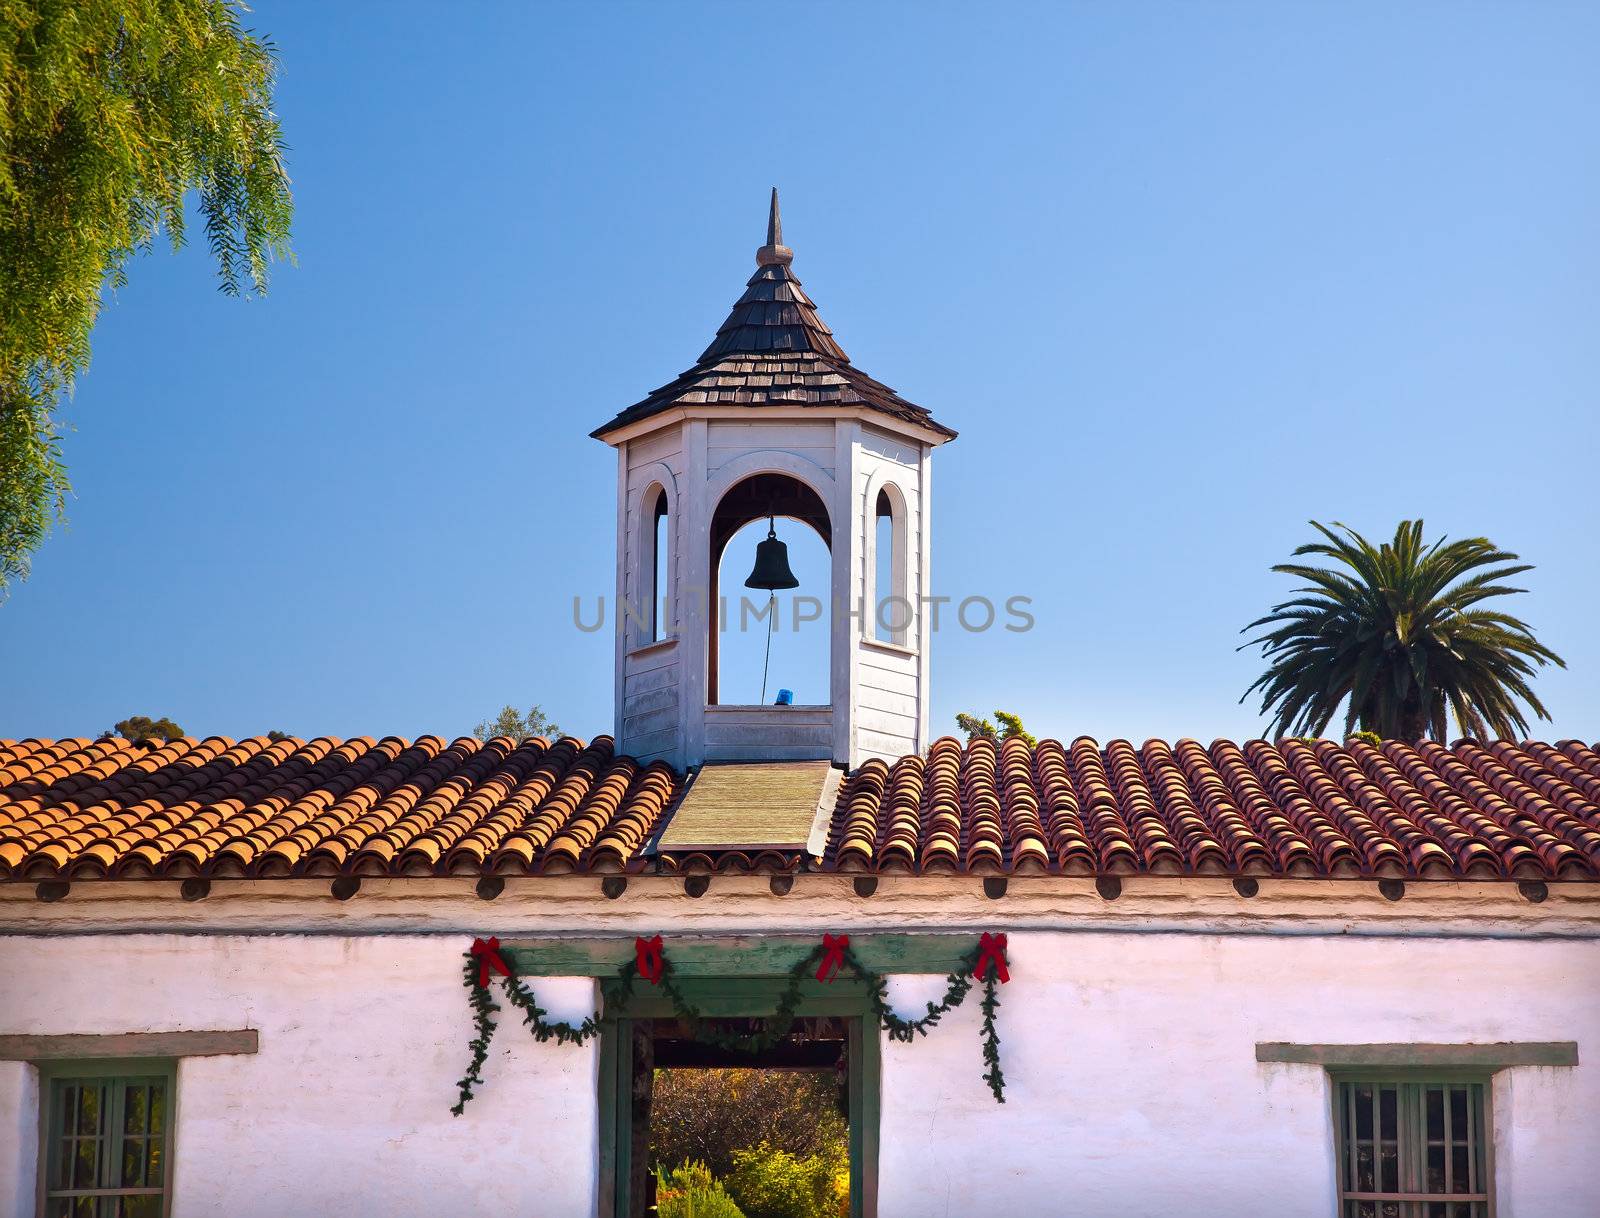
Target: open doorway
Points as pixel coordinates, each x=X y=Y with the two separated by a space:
x=690 y=1127
x=736 y=1135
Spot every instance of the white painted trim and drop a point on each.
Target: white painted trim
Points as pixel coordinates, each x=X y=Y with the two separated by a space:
x=845 y=591
x=925 y=579
x=897 y=649
x=683 y=414
x=619 y=676
x=883 y=481
x=645 y=552
x=694 y=548
x=770 y=461
x=645 y=649
x=817 y=840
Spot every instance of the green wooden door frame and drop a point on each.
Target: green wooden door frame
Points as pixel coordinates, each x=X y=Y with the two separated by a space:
x=732 y=975
x=736 y=955
x=844 y=998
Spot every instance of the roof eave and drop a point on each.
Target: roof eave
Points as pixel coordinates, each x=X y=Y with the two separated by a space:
x=614 y=433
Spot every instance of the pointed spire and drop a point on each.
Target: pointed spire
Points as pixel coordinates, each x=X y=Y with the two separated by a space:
x=773 y=350
x=774 y=252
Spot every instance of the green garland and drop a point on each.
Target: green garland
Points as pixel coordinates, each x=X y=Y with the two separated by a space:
x=991 y=1038
x=775 y=1027
x=484 y=1008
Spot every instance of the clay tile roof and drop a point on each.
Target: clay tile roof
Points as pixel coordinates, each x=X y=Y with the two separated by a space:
x=1295 y=808
x=81 y=809
x=775 y=350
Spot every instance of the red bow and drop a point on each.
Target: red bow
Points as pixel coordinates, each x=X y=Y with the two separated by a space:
x=833 y=949
x=652 y=964
x=992 y=950
x=487 y=954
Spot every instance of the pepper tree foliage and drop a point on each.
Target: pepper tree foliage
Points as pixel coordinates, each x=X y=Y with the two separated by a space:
x=704 y=1115
x=143 y=727
x=1396 y=633
x=513 y=724
x=111 y=112
x=775 y=1027
x=1010 y=727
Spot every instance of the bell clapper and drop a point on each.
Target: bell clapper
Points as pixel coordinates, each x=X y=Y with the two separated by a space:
x=766 y=659
x=771 y=572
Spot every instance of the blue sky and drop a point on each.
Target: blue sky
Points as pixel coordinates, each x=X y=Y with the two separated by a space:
x=1183 y=276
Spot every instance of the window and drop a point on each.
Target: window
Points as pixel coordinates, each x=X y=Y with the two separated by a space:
x=649 y=618
x=661 y=548
x=106 y=1140
x=1413 y=1149
x=892 y=610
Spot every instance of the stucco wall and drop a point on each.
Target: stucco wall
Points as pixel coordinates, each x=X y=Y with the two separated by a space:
x=1132 y=1086
x=1128 y=1045
x=345 y=1110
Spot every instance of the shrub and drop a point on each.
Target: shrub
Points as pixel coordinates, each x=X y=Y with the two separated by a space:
x=772 y=1183
x=688 y=1191
x=707 y=1115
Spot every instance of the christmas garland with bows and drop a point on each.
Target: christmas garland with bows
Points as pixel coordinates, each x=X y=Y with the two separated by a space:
x=986 y=963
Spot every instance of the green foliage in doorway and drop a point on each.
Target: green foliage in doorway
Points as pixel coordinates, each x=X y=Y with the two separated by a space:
x=690 y=1191
x=772 y=1183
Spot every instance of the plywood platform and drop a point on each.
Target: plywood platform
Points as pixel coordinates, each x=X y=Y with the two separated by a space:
x=753 y=805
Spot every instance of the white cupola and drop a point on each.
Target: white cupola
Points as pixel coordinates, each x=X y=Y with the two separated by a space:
x=773 y=421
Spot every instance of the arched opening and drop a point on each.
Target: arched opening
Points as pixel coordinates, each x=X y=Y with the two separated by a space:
x=655 y=555
x=800 y=619
x=892 y=607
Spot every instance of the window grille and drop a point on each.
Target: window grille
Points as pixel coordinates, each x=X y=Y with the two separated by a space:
x=1414 y=1149
x=108 y=1146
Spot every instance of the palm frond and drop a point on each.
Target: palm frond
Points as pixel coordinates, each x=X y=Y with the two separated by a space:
x=1394 y=635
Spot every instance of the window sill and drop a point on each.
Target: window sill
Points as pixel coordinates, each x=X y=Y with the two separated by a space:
x=895 y=649
x=644 y=649
x=746 y=708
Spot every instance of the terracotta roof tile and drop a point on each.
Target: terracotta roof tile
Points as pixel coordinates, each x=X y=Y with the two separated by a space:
x=1295 y=808
x=81 y=809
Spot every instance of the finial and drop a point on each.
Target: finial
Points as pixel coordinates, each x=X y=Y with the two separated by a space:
x=774 y=251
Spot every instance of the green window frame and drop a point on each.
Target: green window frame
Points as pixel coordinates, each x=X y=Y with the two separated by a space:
x=105 y=1138
x=1414 y=1144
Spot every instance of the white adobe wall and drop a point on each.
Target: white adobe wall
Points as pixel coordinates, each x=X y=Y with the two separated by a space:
x=1128 y=1040
x=345 y=1111
x=1132 y=1087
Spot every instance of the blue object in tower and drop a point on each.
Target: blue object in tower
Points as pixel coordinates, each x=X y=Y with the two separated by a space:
x=785 y=698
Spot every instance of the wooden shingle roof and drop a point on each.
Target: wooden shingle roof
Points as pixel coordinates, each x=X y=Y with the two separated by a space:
x=775 y=350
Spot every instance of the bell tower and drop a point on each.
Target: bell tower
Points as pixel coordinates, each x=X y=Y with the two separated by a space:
x=772 y=421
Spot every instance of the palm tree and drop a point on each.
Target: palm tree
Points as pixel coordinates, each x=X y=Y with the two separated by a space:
x=1394 y=633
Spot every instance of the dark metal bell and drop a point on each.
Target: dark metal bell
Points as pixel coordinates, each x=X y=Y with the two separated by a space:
x=772 y=565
